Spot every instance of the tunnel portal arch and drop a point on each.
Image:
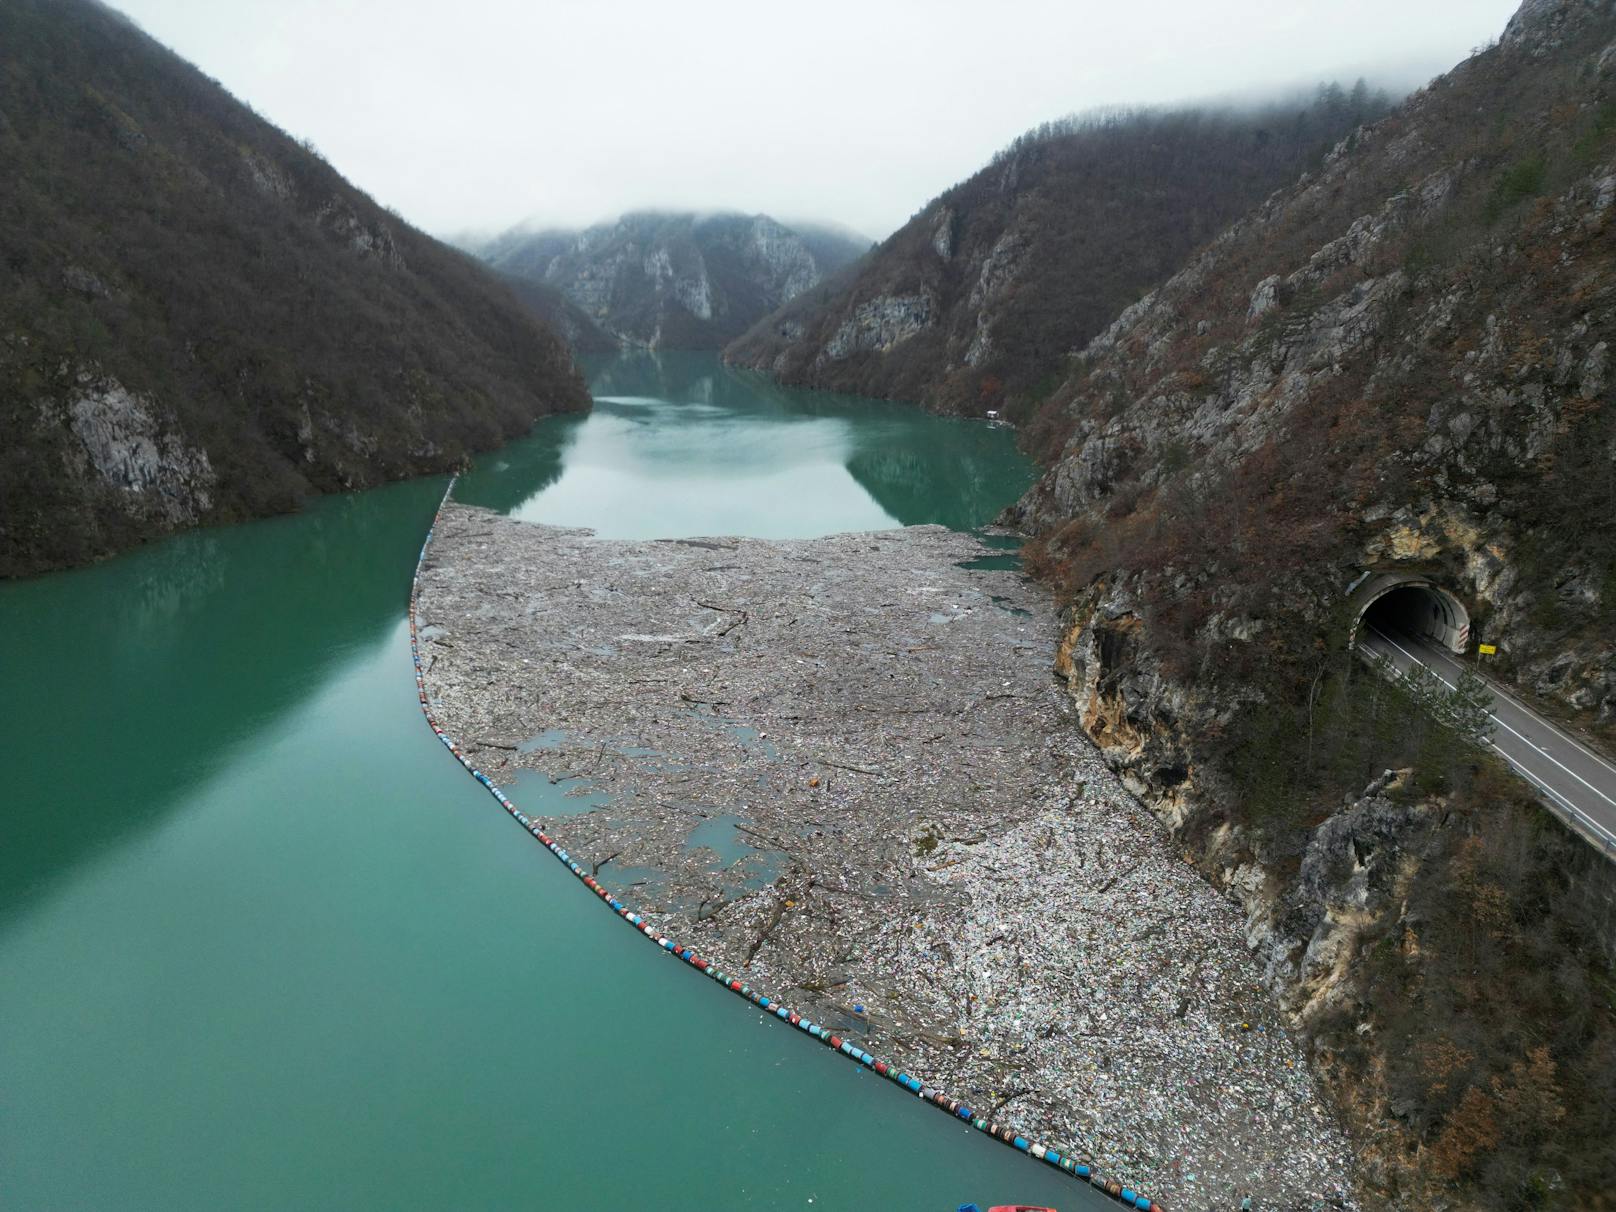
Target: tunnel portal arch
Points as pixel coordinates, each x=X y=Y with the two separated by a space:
x=1415 y=605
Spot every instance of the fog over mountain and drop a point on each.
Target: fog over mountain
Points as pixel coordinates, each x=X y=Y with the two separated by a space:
x=658 y=279
x=492 y=112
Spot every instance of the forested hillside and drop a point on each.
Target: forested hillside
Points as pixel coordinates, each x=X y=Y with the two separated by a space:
x=973 y=304
x=676 y=280
x=201 y=321
x=1401 y=364
x=560 y=315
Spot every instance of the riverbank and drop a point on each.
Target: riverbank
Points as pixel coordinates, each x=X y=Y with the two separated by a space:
x=840 y=768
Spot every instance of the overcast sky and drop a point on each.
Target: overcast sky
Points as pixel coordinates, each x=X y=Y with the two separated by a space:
x=479 y=114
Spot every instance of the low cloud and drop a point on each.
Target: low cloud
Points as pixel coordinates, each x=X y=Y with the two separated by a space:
x=486 y=113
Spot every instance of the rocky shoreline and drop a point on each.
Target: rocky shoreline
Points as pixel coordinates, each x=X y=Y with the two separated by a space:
x=841 y=767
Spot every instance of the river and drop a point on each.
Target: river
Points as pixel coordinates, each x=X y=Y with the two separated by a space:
x=263 y=944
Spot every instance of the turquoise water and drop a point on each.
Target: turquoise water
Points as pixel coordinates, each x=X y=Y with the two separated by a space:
x=677 y=446
x=263 y=944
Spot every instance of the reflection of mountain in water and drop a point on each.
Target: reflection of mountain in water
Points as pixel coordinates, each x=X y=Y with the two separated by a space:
x=677 y=440
x=688 y=377
x=958 y=487
x=209 y=637
x=506 y=477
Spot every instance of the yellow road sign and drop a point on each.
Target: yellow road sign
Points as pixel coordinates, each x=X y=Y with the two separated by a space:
x=1487 y=649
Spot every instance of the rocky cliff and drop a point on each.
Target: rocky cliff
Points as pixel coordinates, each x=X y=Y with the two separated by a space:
x=201 y=321
x=560 y=315
x=974 y=304
x=677 y=281
x=1400 y=363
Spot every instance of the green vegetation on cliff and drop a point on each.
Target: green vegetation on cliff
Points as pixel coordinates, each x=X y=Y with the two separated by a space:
x=201 y=321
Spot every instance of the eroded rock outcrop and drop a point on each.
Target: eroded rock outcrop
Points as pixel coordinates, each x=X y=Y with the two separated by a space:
x=1398 y=365
x=1463 y=399
x=880 y=324
x=676 y=280
x=1037 y=252
x=129 y=451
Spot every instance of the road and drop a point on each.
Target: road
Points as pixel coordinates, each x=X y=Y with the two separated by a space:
x=1575 y=782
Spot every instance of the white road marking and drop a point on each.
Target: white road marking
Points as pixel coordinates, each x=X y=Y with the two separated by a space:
x=1494 y=717
x=1578 y=816
x=1560 y=733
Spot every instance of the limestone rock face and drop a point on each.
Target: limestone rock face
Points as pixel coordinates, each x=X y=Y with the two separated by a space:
x=1535 y=23
x=1146 y=721
x=1028 y=259
x=676 y=280
x=1462 y=377
x=374 y=239
x=942 y=233
x=880 y=324
x=1399 y=364
x=779 y=258
x=998 y=274
x=131 y=452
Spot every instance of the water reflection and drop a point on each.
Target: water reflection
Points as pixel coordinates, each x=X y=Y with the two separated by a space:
x=138 y=677
x=679 y=445
x=520 y=470
x=131 y=681
x=323 y=971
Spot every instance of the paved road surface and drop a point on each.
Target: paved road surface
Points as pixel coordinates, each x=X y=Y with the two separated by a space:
x=1573 y=780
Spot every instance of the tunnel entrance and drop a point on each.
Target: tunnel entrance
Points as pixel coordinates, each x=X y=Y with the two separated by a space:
x=1417 y=607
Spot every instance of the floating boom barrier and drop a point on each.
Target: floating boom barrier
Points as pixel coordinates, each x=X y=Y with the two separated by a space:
x=1083 y=1171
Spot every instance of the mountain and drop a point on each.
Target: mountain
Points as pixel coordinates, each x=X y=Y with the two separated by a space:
x=1398 y=367
x=974 y=303
x=560 y=315
x=676 y=281
x=201 y=321
x=832 y=246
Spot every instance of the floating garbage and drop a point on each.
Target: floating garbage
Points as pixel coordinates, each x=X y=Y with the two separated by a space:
x=914 y=1085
